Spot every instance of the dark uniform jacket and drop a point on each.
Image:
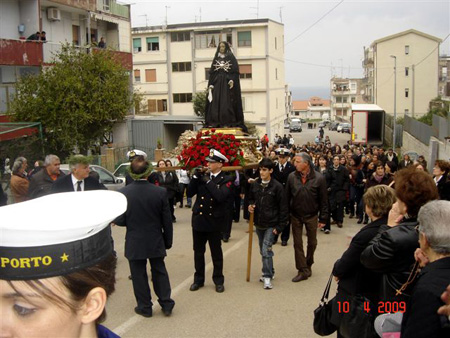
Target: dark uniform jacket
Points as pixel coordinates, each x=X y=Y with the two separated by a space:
x=271 y=205
x=391 y=253
x=282 y=176
x=211 y=209
x=443 y=186
x=170 y=182
x=422 y=320
x=41 y=184
x=313 y=195
x=148 y=221
x=64 y=184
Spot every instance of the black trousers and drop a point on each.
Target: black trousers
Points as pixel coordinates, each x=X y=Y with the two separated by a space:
x=160 y=280
x=215 y=245
x=237 y=207
x=285 y=233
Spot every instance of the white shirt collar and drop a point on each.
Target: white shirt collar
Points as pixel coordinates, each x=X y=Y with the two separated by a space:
x=75 y=183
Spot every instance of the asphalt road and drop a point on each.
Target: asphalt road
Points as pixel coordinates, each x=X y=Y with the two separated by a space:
x=245 y=309
x=308 y=135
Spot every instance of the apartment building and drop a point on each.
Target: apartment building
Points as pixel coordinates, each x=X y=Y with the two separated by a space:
x=344 y=92
x=171 y=64
x=444 y=76
x=81 y=22
x=314 y=108
x=415 y=57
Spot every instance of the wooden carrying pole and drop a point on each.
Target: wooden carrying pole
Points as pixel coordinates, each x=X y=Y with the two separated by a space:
x=250 y=243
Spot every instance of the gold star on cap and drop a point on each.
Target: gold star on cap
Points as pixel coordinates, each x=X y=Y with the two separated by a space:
x=64 y=258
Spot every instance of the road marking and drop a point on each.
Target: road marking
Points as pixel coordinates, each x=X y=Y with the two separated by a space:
x=130 y=323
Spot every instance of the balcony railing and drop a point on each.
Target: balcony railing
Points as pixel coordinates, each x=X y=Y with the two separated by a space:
x=112 y=7
x=20 y=52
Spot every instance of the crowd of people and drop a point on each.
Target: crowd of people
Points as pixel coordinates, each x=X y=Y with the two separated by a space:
x=401 y=254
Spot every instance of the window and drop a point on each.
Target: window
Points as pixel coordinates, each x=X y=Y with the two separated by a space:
x=183 y=97
x=338 y=99
x=137 y=75
x=353 y=99
x=344 y=99
x=406 y=92
x=207 y=73
x=155 y=106
x=180 y=36
x=207 y=39
x=276 y=43
x=137 y=45
x=245 y=71
x=276 y=103
x=406 y=71
x=244 y=39
x=353 y=86
x=152 y=44
x=181 y=67
x=150 y=75
x=406 y=111
x=276 y=73
x=406 y=50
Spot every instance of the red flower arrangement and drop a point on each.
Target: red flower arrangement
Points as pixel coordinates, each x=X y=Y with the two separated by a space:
x=194 y=154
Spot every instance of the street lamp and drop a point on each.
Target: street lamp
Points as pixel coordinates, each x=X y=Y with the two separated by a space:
x=395 y=101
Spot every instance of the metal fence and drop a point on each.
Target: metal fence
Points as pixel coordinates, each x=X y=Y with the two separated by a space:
x=419 y=130
x=441 y=127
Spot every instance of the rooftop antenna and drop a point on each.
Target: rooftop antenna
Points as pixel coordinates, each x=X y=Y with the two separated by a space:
x=167 y=7
x=200 y=14
x=146 y=19
x=281 y=14
x=257 y=9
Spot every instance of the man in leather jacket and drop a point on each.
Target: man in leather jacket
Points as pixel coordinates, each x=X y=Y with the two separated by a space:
x=268 y=201
x=306 y=191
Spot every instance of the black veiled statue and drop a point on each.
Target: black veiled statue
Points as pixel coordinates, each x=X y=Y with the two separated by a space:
x=224 y=103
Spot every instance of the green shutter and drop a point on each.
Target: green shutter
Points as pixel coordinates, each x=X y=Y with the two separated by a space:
x=152 y=40
x=137 y=43
x=244 y=36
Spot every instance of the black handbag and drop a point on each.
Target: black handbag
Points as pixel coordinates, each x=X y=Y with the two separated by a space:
x=358 y=322
x=322 y=315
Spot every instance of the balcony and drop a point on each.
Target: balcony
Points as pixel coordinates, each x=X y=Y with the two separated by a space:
x=20 y=52
x=113 y=8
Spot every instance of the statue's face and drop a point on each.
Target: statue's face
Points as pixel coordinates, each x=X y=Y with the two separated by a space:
x=222 y=48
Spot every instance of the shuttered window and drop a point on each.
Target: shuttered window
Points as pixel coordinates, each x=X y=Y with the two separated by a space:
x=137 y=45
x=137 y=75
x=150 y=75
x=245 y=71
x=244 y=39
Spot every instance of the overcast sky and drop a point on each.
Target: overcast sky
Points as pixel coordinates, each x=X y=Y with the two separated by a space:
x=323 y=38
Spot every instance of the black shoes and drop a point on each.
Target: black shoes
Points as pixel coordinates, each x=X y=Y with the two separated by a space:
x=360 y=221
x=167 y=312
x=220 y=288
x=283 y=243
x=339 y=224
x=195 y=287
x=143 y=313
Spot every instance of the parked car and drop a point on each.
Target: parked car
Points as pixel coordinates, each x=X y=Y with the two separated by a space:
x=333 y=126
x=322 y=125
x=344 y=128
x=122 y=170
x=106 y=177
x=286 y=125
x=295 y=127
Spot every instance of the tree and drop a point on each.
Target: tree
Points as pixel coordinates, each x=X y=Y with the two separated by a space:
x=77 y=99
x=199 y=103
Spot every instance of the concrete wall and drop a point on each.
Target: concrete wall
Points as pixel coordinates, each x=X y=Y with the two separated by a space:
x=410 y=143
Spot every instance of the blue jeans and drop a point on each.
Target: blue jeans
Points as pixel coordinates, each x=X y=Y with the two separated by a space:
x=265 y=239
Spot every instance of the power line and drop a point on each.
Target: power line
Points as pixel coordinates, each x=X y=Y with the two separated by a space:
x=431 y=52
x=315 y=23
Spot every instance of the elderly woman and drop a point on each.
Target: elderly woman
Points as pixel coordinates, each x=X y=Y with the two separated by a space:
x=440 y=173
x=391 y=252
x=63 y=292
x=19 y=182
x=421 y=320
x=353 y=277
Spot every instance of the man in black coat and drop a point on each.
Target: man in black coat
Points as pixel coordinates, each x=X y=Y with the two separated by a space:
x=149 y=234
x=339 y=185
x=79 y=179
x=281 y=172
x=41 y=183
x=209 y=217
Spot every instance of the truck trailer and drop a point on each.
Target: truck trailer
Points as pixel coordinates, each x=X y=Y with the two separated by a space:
x=367 y=124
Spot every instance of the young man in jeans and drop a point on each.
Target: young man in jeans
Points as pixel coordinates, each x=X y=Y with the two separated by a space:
x=268 y=201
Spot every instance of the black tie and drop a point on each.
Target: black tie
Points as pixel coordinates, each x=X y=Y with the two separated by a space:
x=282 y=168
x=79 y=185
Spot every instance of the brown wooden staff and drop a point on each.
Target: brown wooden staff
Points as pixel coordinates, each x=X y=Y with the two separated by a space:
x=250 y=243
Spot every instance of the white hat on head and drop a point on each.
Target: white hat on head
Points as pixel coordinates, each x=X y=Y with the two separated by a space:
x=216 y=156
x=282 y=151
x=136 y=152
x=57 y=234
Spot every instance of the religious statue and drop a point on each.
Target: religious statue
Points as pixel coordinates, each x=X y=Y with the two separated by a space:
x=224 y=103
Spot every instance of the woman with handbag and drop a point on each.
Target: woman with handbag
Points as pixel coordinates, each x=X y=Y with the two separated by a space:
x=353 y=278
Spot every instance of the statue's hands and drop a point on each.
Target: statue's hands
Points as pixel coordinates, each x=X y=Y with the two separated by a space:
x=211 y=87
x=231 y=84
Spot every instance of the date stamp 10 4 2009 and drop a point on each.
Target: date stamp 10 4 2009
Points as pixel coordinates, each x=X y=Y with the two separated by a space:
x=383 y=307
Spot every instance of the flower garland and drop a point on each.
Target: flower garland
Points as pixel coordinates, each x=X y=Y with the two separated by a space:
x=194 y=154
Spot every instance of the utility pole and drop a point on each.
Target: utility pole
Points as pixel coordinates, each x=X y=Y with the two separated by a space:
x=167 y=7
x=413 y=96
x=395 y=102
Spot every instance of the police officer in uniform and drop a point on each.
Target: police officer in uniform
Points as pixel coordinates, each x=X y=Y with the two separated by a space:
x=280 y=173
x=209 y=216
